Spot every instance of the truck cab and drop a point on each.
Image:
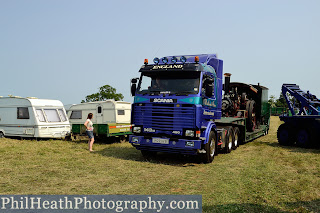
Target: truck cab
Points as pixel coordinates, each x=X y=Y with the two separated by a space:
x=176 y=100
x=179 y=107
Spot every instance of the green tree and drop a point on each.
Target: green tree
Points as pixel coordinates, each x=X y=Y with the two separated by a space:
x=105 y=92
x=281 y=102
x=272 y=101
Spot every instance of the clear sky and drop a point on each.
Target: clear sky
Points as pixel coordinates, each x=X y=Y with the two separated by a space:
x=65 y=50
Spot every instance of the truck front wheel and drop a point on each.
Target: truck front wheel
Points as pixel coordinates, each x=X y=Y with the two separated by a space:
x=210 y=147
x=284 y=135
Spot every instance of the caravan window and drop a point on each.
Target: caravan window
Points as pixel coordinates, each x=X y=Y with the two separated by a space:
x=52 y=115
x=76 y=114
x=99 y=109
x=23 y=113
x=40 y=115
x=62 y=115
x=120 y=112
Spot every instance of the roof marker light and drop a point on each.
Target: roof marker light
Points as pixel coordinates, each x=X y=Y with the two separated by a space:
x=183 y=59
x=146 y=61
x=174 y=59
x=164 y=60
x=196 y=59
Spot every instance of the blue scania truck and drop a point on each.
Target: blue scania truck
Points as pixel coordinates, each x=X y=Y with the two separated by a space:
x=182 y=106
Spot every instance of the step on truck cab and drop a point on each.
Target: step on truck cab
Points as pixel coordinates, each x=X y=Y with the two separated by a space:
x=179 y=107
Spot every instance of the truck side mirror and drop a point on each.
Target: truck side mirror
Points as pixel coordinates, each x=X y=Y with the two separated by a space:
x=133 y=89
x=134 y=81
x=133 y=86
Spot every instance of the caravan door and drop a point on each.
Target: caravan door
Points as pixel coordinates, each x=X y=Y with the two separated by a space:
x=99 y=114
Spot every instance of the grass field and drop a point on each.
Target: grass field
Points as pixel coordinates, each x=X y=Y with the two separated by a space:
x=260 y=176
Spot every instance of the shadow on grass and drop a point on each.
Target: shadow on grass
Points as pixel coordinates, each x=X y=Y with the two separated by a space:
x=293 y=148
x=300 y=206
x=97 y=140
x=130 y=153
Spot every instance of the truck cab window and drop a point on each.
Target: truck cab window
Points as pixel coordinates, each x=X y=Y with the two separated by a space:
x=145 y=84
x=174 y=83
x=208 y=86
x=23 y=113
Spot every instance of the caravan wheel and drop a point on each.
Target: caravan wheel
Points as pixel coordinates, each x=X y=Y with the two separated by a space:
x=1 y=135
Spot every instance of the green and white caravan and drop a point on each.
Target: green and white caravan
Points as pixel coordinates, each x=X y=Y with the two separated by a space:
x=110 y=118
x=33 y=118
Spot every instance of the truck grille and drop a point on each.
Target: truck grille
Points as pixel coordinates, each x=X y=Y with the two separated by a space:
x=167 y=117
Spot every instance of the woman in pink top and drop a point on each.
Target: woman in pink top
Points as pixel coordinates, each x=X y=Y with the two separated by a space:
x=89 y=126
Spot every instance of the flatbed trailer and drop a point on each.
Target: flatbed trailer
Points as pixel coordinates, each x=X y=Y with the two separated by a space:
x=244 y=136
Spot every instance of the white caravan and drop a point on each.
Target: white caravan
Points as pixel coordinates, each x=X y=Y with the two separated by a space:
x=32 y=117
x=110 y=117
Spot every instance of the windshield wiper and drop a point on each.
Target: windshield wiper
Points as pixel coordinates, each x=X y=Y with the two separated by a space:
x=155 y=92
x=183 y=93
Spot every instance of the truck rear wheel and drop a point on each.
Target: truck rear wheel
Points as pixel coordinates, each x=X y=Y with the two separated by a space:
x=229 y=140
x=210 y=147
x=236 y=136
x=284 y=135
x=303 y=138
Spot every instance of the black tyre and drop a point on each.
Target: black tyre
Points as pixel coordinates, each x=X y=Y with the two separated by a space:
x=1 y=135
x=210 y=148
x=236 y=137
x=303 y=138
x=284 y=135
x=229 y=140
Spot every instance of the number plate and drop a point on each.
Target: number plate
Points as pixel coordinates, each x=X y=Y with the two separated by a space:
x=160 y=140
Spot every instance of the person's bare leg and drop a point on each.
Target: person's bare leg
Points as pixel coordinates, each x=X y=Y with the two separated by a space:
x=90 y=144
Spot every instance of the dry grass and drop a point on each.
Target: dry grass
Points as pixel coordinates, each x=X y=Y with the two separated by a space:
x=260 y=176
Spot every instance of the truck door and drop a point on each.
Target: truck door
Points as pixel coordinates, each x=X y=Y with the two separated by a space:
x=99 y=115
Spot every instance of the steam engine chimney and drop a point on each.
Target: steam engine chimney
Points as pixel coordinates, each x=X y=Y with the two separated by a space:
x=227 y=82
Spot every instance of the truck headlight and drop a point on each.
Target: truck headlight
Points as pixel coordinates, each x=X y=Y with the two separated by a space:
x=189 y=133
x=137 y=129
x=189 y=144
x=135 y=140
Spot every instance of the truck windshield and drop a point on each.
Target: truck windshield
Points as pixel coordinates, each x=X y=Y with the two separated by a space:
x=178 y=83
